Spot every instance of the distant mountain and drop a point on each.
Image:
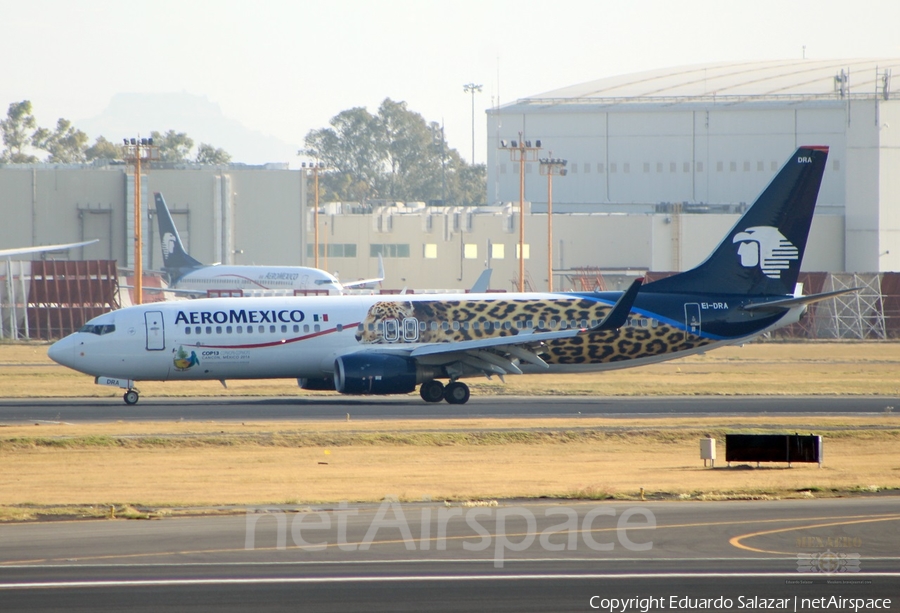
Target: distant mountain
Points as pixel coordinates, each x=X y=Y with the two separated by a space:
x=131 y=114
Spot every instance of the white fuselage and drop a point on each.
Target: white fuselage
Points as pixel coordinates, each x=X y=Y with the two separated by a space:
x=295 y=337
x=258 y=278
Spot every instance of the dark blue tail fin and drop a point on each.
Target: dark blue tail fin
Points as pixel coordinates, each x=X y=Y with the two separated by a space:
x=762 y=253
x=176 y=261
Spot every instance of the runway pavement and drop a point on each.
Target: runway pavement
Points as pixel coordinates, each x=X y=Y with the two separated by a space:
x=74 y=410
x=428 y=556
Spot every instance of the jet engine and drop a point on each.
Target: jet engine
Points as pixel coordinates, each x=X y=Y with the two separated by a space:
x=373 y=373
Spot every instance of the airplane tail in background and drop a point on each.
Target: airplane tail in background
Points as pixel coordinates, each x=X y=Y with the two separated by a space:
x=762 y=253
x=176 y=260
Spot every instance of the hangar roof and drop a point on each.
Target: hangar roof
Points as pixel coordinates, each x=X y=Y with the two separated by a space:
x=761 y=79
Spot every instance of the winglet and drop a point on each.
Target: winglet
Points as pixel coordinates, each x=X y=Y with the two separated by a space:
x=617 y=317
x=482 y=282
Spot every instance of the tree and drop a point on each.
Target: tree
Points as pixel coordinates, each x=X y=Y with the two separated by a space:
x=66 y=145
x=18 y=129
x=208 y=154
x=173 y=146
x=395 y=155
x=102 y=149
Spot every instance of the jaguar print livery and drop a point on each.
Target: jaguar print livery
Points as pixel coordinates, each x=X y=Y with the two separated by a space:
x=448 y=321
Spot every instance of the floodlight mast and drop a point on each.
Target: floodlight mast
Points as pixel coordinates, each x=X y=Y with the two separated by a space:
x=521 y=151
x=139 y=150
x=315 y=168
x=472 y=88
x=551 y=166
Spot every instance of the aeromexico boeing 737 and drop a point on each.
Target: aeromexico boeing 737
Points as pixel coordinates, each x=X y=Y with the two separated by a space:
x=392 y=344
x=189 y=276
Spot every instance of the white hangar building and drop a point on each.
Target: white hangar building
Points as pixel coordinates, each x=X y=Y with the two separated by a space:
x=662 y=145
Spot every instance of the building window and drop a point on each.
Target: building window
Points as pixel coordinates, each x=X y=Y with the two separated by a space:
x=747 y=166
x=612 y=167
x=600 y=167
x=647 y=167
x=502 y=168
x=527 y=251
x=699 y=166
x=430 y=251
x=389 y=250
x=470 y=251
x=497 y=251
x=732 y=166
x=687 y=167
x=774 y=166
x=587 y=168
x=760 y=166
x=333 y=250
x=626 y=167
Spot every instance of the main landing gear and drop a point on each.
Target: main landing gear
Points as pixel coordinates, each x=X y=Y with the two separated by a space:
x=131 y=397
x=455 y=392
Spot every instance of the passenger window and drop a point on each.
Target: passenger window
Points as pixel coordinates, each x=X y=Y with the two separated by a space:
x=227 y=329
x=434 y=326
x=284 y=328
x=340 y=327
x=445 y=325
x=209 y=329
x=296 y=328
x=262 y=329
x=187 y=330
x=272 y=329
x=240 y=329
x=456 y=325
x=197 y=330
x=316 y=328
x=218 y=329
x=475 y=325
x=249 y=329
x=306 y=327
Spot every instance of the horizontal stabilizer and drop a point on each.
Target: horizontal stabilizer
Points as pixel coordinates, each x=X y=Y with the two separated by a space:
x=617 y=317
x=788 y=303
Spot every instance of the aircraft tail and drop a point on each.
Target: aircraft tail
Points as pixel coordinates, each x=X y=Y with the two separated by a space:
x=762 y=253
x=176 y=260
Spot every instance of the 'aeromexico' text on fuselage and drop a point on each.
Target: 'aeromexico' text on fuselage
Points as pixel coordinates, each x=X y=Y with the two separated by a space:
x=241 y=316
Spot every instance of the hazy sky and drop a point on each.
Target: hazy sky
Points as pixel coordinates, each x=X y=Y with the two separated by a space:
x=286 y=67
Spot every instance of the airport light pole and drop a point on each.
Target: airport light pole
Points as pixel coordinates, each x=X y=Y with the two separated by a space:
x=136 y=151
x=521 y=151
x=315 y=168
x=472 y=88
x=551 y=167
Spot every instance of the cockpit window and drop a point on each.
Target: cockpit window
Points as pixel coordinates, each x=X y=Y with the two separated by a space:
x=98 y=329
x=324 y=281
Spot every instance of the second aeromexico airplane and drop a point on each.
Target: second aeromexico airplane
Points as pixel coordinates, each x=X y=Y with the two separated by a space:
x=189 y=276
x=392 y=344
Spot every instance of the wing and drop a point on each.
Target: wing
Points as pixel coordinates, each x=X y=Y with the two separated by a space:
x=365 y=282
x=501 y=355
x=8 y=253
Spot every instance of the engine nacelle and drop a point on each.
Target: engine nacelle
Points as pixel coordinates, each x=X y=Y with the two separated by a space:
x=373 y=373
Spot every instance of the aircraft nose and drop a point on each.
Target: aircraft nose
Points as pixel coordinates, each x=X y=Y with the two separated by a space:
x=62 y=352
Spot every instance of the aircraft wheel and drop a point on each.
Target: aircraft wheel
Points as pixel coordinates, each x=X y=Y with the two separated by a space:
x=456 y=393
x=432 y=391
x=131 y=397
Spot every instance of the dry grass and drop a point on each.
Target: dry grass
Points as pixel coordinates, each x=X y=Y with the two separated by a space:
x=173 y=464
x=209 y=464
x=811 y=368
